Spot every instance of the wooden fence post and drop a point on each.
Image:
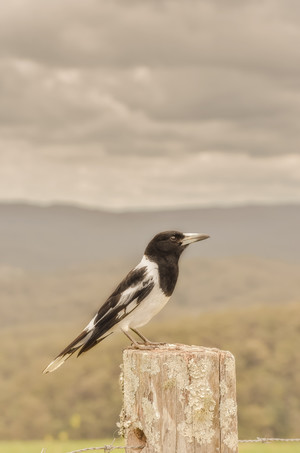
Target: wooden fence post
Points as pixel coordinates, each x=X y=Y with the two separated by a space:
x=179 y=399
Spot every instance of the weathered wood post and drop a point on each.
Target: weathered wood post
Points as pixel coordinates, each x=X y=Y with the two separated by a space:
x=179 y=399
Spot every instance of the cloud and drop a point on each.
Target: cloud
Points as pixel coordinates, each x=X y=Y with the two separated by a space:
x=150 y=181
x=97 y=84
x=168 y=33
x=254 y=34
x=168 y=111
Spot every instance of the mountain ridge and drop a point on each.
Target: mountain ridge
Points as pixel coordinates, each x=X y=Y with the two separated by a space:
x=63 y=236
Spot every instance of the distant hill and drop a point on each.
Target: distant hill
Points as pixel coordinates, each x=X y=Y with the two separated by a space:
x=58 y=237
x=73 y=296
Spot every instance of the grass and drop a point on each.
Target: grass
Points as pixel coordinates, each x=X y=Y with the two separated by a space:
x=54 y=446
x=272 y=447
x=57 y=446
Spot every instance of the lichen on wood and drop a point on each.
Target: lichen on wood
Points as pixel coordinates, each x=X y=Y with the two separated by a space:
x=199 y=410
x=179 y=399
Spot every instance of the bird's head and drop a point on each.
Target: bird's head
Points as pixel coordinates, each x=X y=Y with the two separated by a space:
x=172 y=243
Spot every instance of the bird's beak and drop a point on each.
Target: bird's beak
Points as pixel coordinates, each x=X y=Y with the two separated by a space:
x=193 y=237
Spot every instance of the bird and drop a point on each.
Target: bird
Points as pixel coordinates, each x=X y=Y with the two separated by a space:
x=141 y=295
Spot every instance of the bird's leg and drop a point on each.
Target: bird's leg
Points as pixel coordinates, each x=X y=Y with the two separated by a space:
x=133 y=342
x=145 y=340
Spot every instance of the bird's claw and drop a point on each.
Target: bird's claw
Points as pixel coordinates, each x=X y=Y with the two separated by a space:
x=147 y=344
x=156 y=343
x=140 y=346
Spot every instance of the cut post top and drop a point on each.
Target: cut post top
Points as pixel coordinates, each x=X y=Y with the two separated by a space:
x=179 y=399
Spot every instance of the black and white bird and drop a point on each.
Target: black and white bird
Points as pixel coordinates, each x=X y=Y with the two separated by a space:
x=140 y=296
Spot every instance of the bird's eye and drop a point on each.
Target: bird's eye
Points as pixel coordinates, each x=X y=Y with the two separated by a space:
x=173 y=238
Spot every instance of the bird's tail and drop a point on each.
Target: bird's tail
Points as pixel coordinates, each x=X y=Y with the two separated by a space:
x=79 y=341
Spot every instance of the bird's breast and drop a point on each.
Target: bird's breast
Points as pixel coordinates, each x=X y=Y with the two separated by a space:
x=144 y=312
x=151 y=304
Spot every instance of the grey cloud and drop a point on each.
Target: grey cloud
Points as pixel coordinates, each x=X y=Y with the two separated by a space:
x=260 y=35
x=176 y=111
x=206 y=93
x=151 y=77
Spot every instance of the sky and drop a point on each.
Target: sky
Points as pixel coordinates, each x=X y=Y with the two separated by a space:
x=150 y=104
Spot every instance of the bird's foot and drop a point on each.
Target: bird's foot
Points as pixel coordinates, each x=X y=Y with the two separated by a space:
x=147 y=345
x=140 y=346
x=154 y=343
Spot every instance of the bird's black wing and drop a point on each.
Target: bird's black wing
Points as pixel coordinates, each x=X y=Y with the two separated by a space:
x=126 y=297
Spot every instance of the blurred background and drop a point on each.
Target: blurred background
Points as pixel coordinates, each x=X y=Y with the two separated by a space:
x=122 y=119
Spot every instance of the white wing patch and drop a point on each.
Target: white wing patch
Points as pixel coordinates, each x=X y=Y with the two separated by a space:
x=90 y=325
x=151 y=272
x=151 y=276
x=128 y=309
x=151 y=304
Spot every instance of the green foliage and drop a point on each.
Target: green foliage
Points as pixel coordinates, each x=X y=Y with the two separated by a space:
x=82 y=399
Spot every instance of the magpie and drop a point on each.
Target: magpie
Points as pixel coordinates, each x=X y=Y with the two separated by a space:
x=140 y=296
